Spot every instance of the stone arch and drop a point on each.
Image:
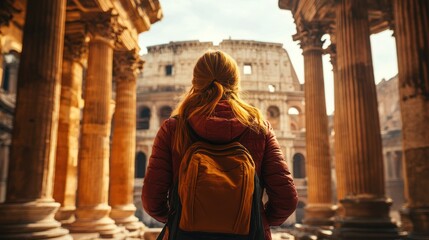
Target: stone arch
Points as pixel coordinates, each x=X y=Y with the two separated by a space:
x=299 y=165
x=164 y=113
x=140 y=165
x=143 y=118
x=273 y=116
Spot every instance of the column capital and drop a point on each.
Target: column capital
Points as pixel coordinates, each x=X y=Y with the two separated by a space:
x=126 y=64
x=310 y=35
x=332 y=50
x=76 y=41
x=75 y=47
x=6 y=12
x=103 y=26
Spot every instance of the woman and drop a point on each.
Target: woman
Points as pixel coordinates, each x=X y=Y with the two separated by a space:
x=215 y=111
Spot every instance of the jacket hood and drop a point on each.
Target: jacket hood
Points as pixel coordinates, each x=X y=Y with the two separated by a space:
x=221 y=127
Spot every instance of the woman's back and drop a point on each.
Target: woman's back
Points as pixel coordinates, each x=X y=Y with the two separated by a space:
x=215 y=112
x=222 y=128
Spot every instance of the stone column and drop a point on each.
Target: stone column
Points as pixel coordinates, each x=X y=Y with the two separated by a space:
x=284 y=117
x=412 y=41
x=92 y=209
x=319 y=210
x=339 y=172
x=28 y=212
x=68 y=126
x=154 y=118
x=332 y=51
x=121 y=191
x=365 y=212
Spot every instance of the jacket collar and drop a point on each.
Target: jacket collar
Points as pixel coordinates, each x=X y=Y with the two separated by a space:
x=221 y=127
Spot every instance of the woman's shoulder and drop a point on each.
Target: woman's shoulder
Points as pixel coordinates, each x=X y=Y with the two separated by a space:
x=169 y=123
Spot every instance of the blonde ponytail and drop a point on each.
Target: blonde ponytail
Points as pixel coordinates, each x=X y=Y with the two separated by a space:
x=216 y=77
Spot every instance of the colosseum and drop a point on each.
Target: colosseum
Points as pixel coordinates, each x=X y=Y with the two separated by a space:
x=268 y=80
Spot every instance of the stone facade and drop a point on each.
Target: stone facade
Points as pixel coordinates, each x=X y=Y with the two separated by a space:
x=268 y=80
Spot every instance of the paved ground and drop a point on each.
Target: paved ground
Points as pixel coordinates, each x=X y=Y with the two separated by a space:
x=152 y=233
x=282 y=236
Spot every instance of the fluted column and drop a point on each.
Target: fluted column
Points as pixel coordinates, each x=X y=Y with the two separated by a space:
x=28 y=212
x=365 y=206
x=319 y=210
x=68 y=126
x=412 y=41
x=92 y=209
x=338 y=151
x=121 y=191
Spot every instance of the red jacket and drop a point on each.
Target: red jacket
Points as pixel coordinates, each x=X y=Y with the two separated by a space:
x=222 y=127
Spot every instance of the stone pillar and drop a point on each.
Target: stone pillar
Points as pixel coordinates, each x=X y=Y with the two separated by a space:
x=319 y=210
x=365 y=212
x=92 y=209
x=68 y=126
x=28 y=212
x=412 y=41
x=338 y=153
x=121 y=191
x=284 y=117
x=154 y=118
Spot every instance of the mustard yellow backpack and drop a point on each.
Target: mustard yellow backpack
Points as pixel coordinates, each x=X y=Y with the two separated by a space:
x=217 y=195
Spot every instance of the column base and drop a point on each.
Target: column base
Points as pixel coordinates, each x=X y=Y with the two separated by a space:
x=31 y=220
x=419 y=222
x=124 y=215
x=94 y=220
x=366 y=218
x=319 y=215
x=65 y=215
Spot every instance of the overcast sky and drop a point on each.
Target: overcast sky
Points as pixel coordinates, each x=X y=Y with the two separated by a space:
x=259 y=20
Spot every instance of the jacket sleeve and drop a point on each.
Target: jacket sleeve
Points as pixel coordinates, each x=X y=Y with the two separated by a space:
x=159 y=176
x=281 y=191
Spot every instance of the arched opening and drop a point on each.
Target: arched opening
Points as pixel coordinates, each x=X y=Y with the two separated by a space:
x=298 y=166
x=164 y=113
x=273 y=116
x=293 y=111
x=140 y=165
x=143 y=118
